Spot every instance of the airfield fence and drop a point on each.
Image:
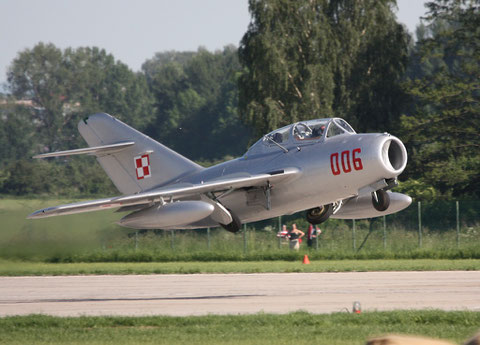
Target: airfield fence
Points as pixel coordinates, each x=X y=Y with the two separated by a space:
x=434 y=227
x=439 y=225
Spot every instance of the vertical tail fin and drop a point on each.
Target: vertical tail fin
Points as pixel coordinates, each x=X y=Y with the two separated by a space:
x=140 y=167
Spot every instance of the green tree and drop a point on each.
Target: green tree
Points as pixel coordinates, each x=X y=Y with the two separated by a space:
x=154 y=65
x=68 y=85
x=63 y=86
x=16 y=132
x=442 y=131
x=321 y=58
x=288 y=54
x=76 y=178
x=372 y=56
x=196 y=100
x=40 y=75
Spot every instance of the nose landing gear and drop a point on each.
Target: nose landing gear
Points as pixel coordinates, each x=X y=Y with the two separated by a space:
x=380 y=200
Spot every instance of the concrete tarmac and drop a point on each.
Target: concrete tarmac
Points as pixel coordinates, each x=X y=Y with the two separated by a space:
x=201 y=294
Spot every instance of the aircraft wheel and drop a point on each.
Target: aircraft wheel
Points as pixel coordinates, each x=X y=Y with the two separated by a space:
x=380 y=200
x=235 y=225
x=320 y=214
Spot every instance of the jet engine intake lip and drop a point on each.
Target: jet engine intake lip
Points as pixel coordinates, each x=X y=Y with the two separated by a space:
x=394 y=155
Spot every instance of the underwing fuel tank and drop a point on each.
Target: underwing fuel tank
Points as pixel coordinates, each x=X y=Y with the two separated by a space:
x=361 y=207
x=158 y=216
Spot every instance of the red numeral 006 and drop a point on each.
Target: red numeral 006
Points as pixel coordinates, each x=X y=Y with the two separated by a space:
x=344 y=157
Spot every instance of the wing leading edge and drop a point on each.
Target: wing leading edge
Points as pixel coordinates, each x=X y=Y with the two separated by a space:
x=170 y=193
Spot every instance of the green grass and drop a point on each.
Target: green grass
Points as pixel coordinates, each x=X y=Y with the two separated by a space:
x=24 y=238
x=94 y=237
x=294 y=328
x=145 y=255
x=21 y=268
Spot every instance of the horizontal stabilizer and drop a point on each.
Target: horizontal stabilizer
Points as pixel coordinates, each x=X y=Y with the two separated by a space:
x=96 y=151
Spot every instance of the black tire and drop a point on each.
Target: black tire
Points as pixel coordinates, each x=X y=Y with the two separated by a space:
x=320 y=214
x=235 y=225
x=382 y=201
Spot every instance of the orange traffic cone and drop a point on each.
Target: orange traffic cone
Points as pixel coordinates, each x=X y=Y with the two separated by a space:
x=305 y=260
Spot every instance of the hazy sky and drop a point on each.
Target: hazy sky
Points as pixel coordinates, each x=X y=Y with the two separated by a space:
x=134 y=31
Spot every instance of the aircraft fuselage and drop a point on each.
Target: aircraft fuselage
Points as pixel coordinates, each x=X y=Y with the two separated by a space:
x=330 y=170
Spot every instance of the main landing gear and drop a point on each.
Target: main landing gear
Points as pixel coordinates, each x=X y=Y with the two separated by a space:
x=320 y=214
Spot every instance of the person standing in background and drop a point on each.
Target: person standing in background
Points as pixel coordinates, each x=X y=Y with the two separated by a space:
x=283 y=233
x=295 y=235
x=312 y=233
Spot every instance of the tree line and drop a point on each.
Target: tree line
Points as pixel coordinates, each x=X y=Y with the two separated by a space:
x=298 y=60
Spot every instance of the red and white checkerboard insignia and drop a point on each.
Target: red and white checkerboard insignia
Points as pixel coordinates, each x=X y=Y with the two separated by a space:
x=142 y=165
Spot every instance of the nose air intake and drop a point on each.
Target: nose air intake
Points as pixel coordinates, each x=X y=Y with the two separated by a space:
x=394 y=155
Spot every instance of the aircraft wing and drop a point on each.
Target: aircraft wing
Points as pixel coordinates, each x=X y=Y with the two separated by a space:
x=169 y=193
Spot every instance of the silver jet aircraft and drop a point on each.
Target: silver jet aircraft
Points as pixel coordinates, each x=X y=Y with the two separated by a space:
x=321 y=166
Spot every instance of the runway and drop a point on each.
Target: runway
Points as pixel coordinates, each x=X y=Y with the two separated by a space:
x=201 y=294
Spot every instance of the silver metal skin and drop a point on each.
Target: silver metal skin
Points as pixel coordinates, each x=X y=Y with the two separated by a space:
x=161 y=216
x=298 y=167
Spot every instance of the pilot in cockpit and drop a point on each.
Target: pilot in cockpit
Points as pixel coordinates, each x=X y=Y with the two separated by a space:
x=277 y=137
x=303 y=131
x=317 y=132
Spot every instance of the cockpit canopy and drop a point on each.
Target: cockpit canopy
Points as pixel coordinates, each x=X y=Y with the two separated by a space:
x=301 y=133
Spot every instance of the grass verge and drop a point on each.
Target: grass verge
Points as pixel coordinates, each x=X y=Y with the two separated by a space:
x=96 y=238
x=21 y=268
x=294 y=328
